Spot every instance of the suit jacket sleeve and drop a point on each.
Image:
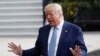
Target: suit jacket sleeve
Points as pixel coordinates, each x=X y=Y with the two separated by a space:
x=29 y=52
x=35 y=51
x=80 y=42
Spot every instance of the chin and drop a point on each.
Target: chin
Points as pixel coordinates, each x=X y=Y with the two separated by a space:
x=52 y=25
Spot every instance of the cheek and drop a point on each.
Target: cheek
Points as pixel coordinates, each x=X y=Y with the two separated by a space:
x=55 y=21
x=56 y=18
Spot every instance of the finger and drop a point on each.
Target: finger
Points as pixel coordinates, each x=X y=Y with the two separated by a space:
x=12 y=47
x=76 y=47
x=10 y=50
x=79 y=50
x=13 y=51
x=20 y=47
x=10 y=44
x=71 y=50
x=13 y=44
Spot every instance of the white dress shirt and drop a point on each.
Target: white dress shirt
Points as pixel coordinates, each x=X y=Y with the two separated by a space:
x=58 y=34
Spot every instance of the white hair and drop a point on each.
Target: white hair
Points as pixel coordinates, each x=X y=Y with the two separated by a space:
x=54 y=6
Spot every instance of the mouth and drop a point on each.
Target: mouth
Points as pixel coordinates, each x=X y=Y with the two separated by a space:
x=50 y=21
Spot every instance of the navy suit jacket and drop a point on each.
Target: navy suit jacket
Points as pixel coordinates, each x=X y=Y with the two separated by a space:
x=71 y=35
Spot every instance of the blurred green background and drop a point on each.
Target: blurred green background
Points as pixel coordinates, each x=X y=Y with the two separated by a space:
x=84 y=13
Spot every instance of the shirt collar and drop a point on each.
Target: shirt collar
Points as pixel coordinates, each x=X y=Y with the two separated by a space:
x=59 y=26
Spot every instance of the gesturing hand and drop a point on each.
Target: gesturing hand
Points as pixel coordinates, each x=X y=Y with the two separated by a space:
x=76 y=51
x=14 y=48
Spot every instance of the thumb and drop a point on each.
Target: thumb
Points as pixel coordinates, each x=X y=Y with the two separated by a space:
x=19 y=46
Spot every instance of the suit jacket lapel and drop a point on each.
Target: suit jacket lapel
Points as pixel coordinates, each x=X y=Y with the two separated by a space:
x=62 y=37
x=45 y=38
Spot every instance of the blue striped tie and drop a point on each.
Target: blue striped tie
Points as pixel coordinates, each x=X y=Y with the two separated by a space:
x=52 y=45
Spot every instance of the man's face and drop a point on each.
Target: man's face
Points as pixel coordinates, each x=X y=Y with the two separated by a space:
x=53 y=17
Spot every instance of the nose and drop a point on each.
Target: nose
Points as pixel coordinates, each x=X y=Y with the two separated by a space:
x=48 y=16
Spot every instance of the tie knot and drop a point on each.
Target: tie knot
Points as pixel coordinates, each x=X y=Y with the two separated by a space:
x=55 y=28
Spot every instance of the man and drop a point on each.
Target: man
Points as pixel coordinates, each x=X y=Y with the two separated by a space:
x=68 y=37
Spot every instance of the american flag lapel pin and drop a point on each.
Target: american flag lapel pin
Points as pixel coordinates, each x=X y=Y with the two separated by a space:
x=66 y=31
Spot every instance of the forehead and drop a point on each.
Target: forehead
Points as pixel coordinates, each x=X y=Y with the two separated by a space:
x=51 y=10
